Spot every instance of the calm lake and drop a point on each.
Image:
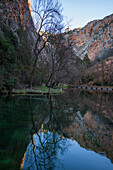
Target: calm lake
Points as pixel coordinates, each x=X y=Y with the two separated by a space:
x=62 y=132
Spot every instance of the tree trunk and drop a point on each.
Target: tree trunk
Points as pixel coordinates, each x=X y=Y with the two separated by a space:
x=49 y=80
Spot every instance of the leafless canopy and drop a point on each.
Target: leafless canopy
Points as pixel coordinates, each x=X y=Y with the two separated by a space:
x=47 y=15
x=48 y=19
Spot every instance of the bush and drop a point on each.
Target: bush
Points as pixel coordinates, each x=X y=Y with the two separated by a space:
x=97 y=83
x=10 y=83
x=7 y=52
x=87 y=78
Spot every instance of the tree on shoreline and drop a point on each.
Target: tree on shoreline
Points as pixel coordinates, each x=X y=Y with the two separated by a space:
x=60 y=54
x=48 y=19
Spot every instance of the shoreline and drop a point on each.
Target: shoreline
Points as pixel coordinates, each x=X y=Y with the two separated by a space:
x=58 y=91
x=37 y=91
x=93 y=88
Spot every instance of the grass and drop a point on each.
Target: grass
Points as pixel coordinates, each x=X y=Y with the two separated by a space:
x=19 y=91
x=4 y=91
x=40 y=90
x=63 y=86
x=44 y=89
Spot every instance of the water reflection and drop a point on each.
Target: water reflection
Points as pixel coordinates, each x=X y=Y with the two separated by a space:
x=42 y=152
x=48 y=127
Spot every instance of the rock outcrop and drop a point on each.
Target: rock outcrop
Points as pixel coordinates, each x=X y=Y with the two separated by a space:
x=95 y=39
x=16 y=16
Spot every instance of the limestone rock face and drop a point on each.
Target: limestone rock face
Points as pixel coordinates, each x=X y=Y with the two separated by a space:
x=95 y=39
x=16 y=14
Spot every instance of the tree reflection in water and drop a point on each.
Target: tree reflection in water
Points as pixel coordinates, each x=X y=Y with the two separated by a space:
x=78 y=117
x=84 y=117
x=43 y=150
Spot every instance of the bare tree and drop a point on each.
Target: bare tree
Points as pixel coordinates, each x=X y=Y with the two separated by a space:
x=48 y=18
x=60 y=54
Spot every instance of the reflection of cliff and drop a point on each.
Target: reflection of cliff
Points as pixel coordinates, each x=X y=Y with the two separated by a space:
x=92 y=126
x=100 y=103
x=95 y=101
x=92 y=132
x=75 y=115
x=80 y=117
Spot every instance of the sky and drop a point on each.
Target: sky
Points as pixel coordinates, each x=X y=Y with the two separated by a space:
x=80 y=12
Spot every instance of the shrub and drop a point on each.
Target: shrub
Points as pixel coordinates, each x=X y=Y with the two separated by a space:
x=97 y=83
x=10 y=83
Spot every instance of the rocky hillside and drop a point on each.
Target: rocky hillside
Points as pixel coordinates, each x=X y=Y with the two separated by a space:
x=95 y=39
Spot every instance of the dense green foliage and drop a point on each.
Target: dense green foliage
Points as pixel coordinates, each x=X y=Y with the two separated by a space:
x=10 y=36
x=15 y=59
x=8 y=64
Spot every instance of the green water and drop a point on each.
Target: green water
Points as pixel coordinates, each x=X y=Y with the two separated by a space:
x=69 y=131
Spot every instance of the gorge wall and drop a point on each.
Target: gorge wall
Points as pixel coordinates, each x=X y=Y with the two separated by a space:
x=95 y=39
x=16 y=16
x=17 y=40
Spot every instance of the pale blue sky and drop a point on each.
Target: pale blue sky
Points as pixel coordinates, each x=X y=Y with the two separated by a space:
x=83 y=11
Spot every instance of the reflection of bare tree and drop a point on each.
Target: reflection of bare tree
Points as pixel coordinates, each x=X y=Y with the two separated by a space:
x=53 y=112
x=78 y=117
x=43 y=150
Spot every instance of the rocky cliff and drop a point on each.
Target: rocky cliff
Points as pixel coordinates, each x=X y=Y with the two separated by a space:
x=95 y=39
x=17 y=41
x=16 y=16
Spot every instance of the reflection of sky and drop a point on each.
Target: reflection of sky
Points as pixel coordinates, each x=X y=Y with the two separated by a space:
x=43 y=152
x=73 y=157
x=82 y=159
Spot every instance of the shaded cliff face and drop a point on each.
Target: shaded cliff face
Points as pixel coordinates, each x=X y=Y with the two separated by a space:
x=95 y=39
x=17 y=39
x=16 y=15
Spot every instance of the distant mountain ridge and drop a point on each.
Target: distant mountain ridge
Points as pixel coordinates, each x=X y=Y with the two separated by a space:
x=95 y=39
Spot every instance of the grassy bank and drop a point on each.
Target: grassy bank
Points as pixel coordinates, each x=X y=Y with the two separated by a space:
x=38 y=90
